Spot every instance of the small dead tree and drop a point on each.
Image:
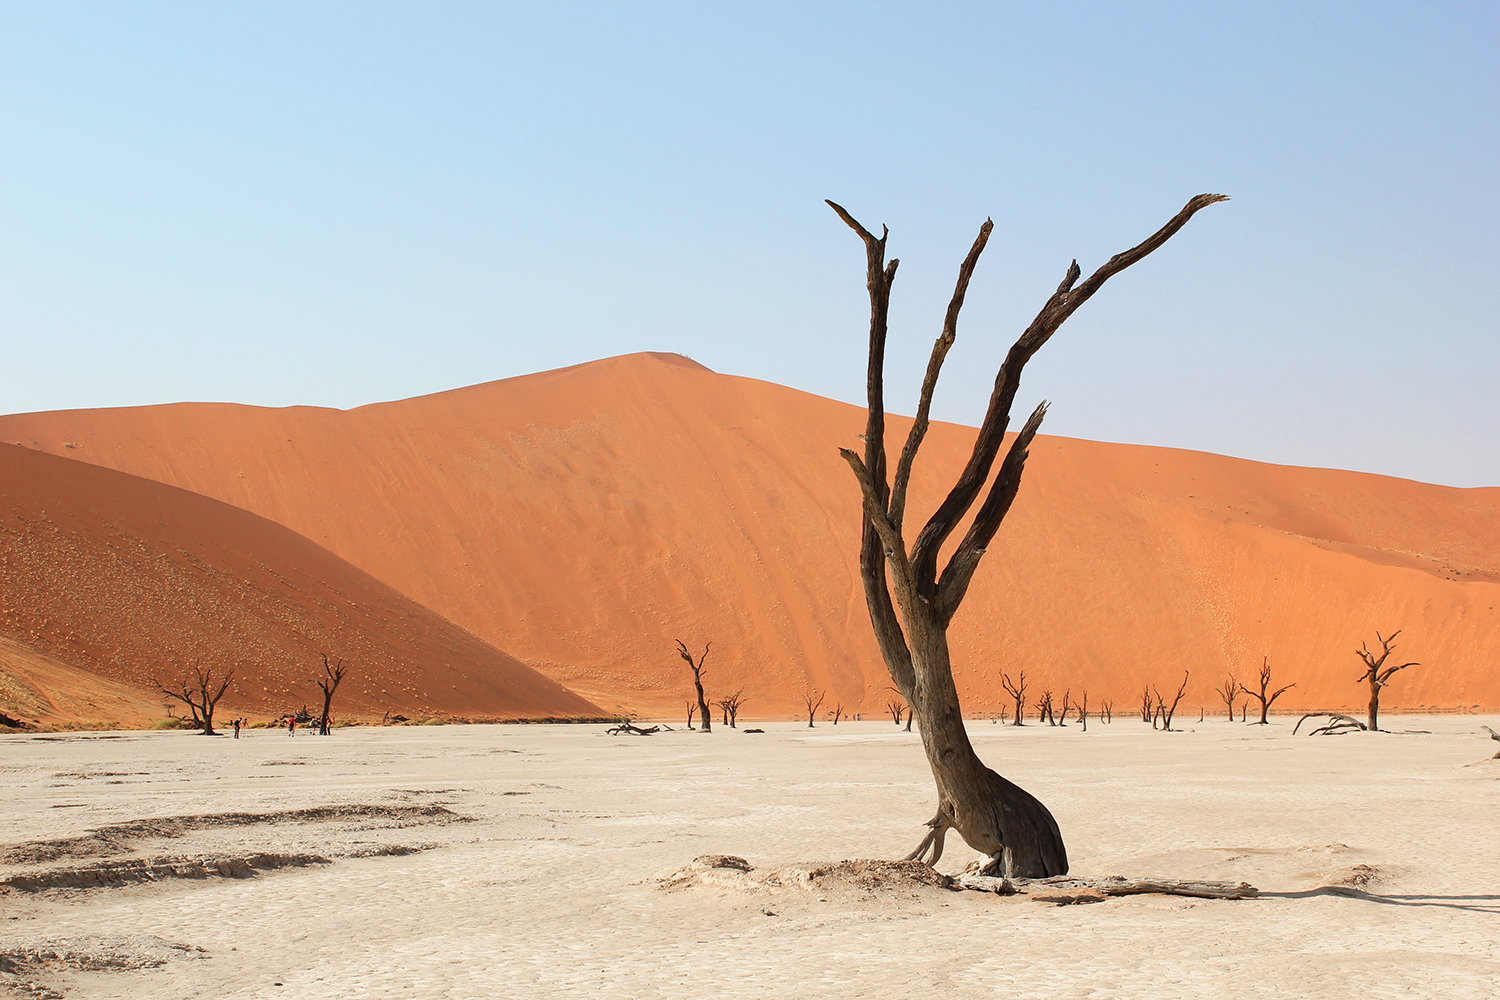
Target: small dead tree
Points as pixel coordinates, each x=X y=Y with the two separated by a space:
x=836 y=712
x=1083 y=710
x=1017 y=691
x=731 y=708
x=704 y=717
x=1229 y=691
x=1063 y=716
x=1261 y=696
x=328 y=684
x=1377 y=674
x=1043 y=708
x=1148 y=707
x=1106 y=711
x=692 y=710
x=196 y=689
x=1165 y=713
x=812 y=699
x=897 y=709
x=994 y=816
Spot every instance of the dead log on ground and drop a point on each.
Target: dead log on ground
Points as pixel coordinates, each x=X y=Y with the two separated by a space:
x=1336 y=724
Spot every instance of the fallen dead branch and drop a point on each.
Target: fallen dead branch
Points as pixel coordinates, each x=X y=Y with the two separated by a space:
x=874 y=876
x=1336 y=724
x=633 y=730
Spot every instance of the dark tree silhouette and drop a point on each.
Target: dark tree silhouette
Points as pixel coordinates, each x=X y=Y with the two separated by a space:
x=1163 y=712
x=897 y=709
x=196 y=689
x=1377 y=674
x=1018 y=692
x=703 y=715
x=1229 y=691
x=994 y=816
x=731 y=708
x=328 y=684
x=808 y=699
x=1148 y=707
x=1265 y=700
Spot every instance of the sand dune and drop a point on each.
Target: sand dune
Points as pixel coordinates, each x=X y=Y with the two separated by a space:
x=111 y=581
x=583 y=519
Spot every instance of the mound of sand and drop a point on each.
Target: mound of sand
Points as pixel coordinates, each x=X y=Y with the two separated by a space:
x=111 y=576
x=583 y=519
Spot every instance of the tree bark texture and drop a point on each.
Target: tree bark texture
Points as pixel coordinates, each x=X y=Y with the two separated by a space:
x=912 y=600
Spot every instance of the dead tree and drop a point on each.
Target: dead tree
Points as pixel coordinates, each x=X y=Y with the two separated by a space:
x=1018 y=692
x=994 y=816
x=1106 y=711
x=896 y=709
x=1163 y=711
x=198 y=692
x=704 y=717
x=1063 y=718
x=836 y=712
x=1083 y=710
x=692 y=710
x=731 y=708
x=328 y=684
x=1043 y=708
x=812 y=705
x=1375 y=675
x=1229 y=692
x=1148 y=707
x=1264 y=699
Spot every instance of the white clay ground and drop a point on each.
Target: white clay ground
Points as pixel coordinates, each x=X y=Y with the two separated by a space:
x=1375 y=855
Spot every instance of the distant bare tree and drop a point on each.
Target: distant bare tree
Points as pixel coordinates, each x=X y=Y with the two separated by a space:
x=1043 y=708
x=1229 y=692
x=328 y=684
x=731 y=707
x=897 y=709
x=1377 y=674
x=1017 y=691
x=703 y=714
x=692 y=710
x=1083 y=711
x=812 y=705
x=1063 y=718
x=1165 y=713
x=196 y=689
x=1148 y=707
x=836 y=712
x=1106 y=711
x=1264 y=699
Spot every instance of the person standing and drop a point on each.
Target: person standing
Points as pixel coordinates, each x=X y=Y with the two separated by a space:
x=237 y=728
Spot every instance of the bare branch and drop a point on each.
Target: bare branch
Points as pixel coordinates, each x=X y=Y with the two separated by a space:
x=929 y=381
x=965 y=560
x=1059 y=307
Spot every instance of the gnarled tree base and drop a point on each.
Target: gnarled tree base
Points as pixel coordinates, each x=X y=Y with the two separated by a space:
x=1017 y=832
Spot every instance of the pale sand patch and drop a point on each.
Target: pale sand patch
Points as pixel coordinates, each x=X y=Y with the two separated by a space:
x=555 y=888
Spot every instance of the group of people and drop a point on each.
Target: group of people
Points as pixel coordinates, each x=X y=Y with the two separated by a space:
x=290 y=724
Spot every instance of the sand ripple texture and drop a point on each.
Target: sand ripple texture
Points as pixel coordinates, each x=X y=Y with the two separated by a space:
x=1372 y=852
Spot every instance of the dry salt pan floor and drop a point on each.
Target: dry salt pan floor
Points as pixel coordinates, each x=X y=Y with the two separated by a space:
x=528 y=861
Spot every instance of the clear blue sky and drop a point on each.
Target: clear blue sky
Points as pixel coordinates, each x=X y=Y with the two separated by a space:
x=336 y=204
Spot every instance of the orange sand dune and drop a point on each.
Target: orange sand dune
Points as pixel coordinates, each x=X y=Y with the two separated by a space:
x=585 y=518
x=105 y=575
